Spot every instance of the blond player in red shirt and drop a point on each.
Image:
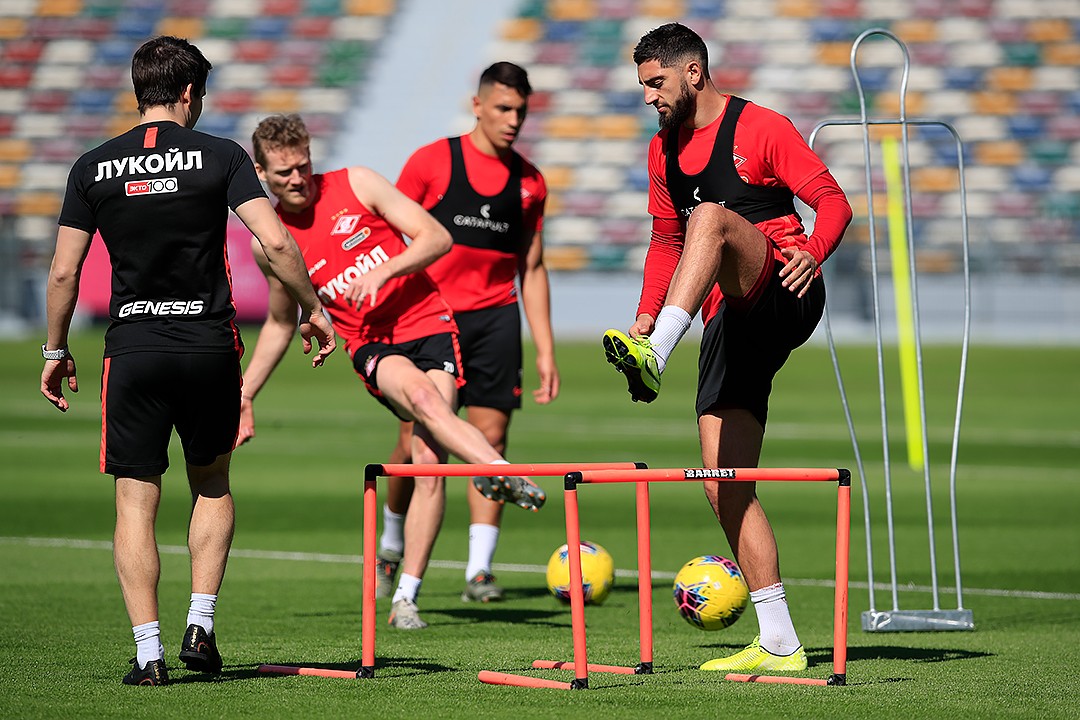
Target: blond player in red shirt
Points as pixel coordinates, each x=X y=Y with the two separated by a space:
x=491 y=200
x=398 y=330
x=726 y=240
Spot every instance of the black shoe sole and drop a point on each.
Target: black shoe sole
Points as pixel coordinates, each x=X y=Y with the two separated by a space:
x=619 y=355
x=200 y=662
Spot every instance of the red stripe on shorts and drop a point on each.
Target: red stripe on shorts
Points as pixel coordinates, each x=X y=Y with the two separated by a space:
x=104 y=395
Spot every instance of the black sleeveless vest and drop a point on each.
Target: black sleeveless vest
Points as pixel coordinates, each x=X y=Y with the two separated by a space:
x=719 y=181
x=487 y=222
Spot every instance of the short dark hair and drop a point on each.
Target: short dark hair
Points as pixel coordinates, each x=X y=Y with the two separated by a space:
x=277 y=132
x=672 y=44
x=161 y=68
x=509 y=74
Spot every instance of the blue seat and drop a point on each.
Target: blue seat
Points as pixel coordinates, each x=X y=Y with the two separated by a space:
x=1026 y=127
x=831 y=30
x=92 y=101
x=706 y=9
x=963 y=78
x=563 y=31
x=268 y=28
x=116 y=52
x=638 y=178
x=136 y=26
x=623 y=101
x=1031 y=178
x=218 y=124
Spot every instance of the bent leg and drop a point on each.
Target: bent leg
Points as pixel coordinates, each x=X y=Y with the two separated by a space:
x=399 y=489
x=135 y=552
x=213 y=520
x=721 y=247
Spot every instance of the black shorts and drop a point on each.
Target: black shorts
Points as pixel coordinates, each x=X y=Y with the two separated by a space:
x=144 y=395
x=491 y=356
x=743 y=348
x=433 y=352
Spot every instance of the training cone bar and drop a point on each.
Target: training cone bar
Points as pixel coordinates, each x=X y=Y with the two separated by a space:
x=581 y=667
x=368 y=617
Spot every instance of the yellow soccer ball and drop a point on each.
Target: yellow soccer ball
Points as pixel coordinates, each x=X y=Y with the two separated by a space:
x=710 y=592
x=597 y=573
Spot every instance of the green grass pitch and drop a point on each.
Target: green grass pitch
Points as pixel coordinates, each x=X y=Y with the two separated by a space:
x=292 y=592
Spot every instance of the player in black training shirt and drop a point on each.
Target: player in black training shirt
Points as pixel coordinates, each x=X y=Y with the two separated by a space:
x=160 y=196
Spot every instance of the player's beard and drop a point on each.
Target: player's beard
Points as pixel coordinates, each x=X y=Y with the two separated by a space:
x=679 y=111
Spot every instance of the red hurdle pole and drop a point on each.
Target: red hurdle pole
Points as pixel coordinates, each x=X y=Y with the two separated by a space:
x=577 y=591
x=368 y=617
x=840 y=601
x=727 y=474
x=644 y=579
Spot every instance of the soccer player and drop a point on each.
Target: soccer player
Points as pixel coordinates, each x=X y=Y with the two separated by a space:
x=726 y=240
x=160 y=196
x=491 y=199
x=397 y=329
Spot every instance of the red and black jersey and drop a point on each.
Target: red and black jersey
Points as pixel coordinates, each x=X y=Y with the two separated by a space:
x=773 y=163
x=492 y=207
x=160 y=196
x=340 y=239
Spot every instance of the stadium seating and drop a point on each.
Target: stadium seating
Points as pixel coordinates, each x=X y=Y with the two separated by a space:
x=1007 y=79
x=65 y=74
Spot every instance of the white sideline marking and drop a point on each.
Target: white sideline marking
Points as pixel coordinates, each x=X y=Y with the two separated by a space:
x=78 y=544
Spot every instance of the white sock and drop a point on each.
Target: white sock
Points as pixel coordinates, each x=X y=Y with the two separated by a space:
x=148 y=643
x=408 y=587
x=482 y=542
x=201 y=611
x=671 y=324
x=500 y=461
x=393 y=534
x=774 y=621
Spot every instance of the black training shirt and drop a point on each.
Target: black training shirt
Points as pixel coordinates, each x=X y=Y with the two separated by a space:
x=160 y=196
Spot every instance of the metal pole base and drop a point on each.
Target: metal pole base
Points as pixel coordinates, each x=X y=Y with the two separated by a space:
x=917 y=620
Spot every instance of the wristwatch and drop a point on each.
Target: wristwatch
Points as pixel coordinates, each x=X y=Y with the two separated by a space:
x=58 y=354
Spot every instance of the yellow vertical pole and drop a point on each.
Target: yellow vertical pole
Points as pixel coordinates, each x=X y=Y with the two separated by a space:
x=905 y=319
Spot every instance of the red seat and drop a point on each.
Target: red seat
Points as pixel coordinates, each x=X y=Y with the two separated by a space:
x=282 y=7
x=25 y=51
x=291 y=75
x=47 y=101
x=254 y=51
x=15 y=76
x=233 y=101
x=312 y=27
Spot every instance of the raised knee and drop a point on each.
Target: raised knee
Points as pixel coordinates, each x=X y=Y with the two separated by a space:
x=426 y=402
x=710 y=217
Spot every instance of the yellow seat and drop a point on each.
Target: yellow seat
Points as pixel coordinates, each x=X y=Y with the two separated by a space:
x=12 y=29
x=565 y=257
x=571 y=9
x=798 y=9
x=617 y=127
x=569 y=127
x=916 y=31
x=369 y=7
x=14 y=150
x=522 y=30
x=1049 y=30
x=279 y=101
x=1062 y=54
x=558 y=177
x=993 y=103
x=938 y=180
x=59 y=8
x=184 y=27
x=662 y=8
x=888 y=103
x=38 y=203
x=1011 y=79
x=9 y=176
x=834 y=53
x=1003 y=152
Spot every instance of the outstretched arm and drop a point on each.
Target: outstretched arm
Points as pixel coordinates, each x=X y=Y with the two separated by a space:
x=284 y=261
x=274 y=338
x=536 y=301
x=61 y=293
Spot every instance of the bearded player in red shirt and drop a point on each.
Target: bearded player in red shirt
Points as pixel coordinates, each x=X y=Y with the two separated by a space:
x=399 y=332
x=727 y=241
x=491 y=200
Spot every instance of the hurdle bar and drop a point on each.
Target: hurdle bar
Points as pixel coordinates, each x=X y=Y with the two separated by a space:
x=643 y=476
x=368 y=616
